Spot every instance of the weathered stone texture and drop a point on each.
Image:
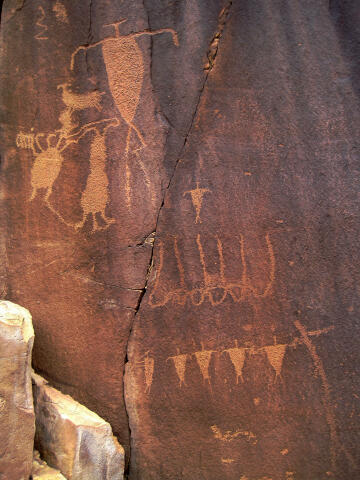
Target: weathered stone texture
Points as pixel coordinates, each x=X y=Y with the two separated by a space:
x=42 y=471
x=225 y=135
x=244 y=356
x=17 y=423
x=73 y=439
x=87 y=153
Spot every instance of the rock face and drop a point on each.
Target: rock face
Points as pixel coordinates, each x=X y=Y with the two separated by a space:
x=86 y=157
x=187 y=171
x=42 y=471
x=246 y=341
x=17 y=423
x=73 y=439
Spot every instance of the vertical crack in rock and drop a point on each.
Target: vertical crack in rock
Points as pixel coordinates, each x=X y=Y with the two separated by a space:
x=89 y=37
x=211 y=55
x=90 y=23
x=214 y=45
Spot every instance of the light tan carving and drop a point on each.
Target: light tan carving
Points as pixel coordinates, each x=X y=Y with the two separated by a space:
x=275 y=354
x=237 y=357
x=41 y=35
x=95 y=197
x=25 y=140
x=229 y=436
x=180 y=366
x=47 y=150
x=79 y=101
x=2 y=404
x=203 y=358
x=60 y=12
x=213 y=284
x=124 y=66
x=197 y=199
x=149 y=364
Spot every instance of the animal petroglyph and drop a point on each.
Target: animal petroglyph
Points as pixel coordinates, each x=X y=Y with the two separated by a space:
x=229 y=436
x=79 y=101
x=124 y=66
x=216 y=288
x=43 y=28
x=197 y=199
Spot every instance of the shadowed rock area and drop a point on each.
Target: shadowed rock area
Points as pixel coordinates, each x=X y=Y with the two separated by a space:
x=41 y=471
x=180 y=196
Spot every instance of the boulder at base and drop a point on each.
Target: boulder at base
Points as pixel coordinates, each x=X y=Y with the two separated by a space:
x=73 y=439
x=42 y=471
x=17 y=423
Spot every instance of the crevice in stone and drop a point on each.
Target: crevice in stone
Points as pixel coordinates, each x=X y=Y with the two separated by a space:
x=89 y=37
x=214 y=45
x=212 y=53
x=19 y=5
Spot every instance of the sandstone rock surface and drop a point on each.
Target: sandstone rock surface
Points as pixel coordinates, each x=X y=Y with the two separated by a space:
x=86 y=157
x=246 y=343
x=42 y=471
x=73 y=439
x=17 y=422
x=223 y=133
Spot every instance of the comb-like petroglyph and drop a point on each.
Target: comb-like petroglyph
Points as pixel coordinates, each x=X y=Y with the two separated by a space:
x=239 y=291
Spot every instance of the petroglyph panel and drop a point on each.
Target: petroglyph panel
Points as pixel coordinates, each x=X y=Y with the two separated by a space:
x=124 y=64
x=239 y=356
x=238 y=291
x=84 y=173
x=197 y=195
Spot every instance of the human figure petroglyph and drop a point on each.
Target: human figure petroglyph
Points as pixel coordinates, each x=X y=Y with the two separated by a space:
x=95 y=197
x=43 y=28
x=203 y=358
x=124 y=66
x=275 y=354
x=47 y=150
x=149 y=364
x=180 y=366
x=197 y=195
x=239 y=355
x=216 y=288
